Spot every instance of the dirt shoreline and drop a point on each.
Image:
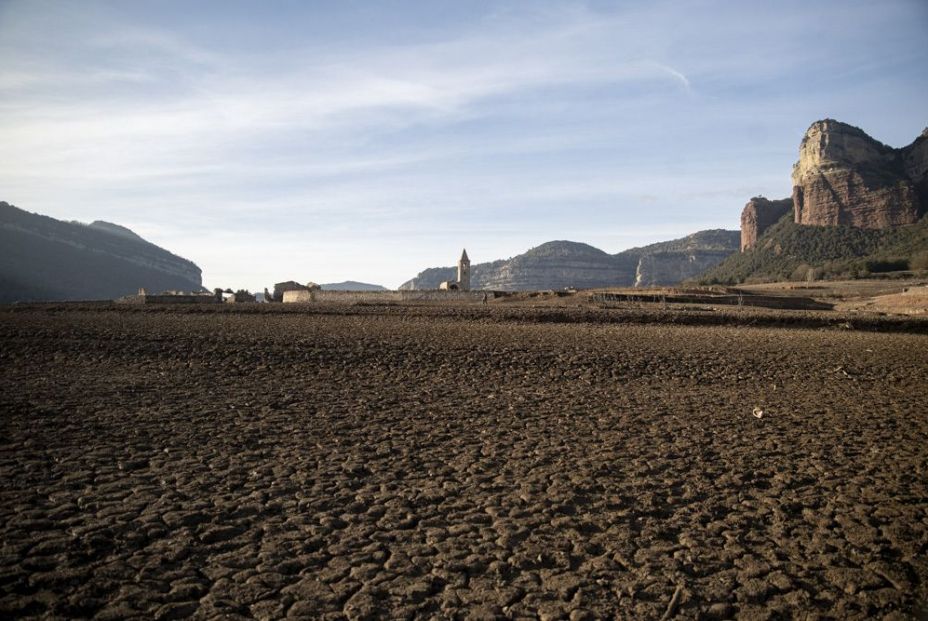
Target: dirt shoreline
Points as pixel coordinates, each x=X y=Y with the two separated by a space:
x=461 y=462
x=584 y=313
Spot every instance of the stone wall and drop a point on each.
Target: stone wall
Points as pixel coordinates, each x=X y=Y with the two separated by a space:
x=380 y=297
x=241 y=298
x=168 y=299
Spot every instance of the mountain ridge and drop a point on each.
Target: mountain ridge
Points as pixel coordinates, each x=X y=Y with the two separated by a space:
x=42 y=258
x=351 y=285
x=559 y=264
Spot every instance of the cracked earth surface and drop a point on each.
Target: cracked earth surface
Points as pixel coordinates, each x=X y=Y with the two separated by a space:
x=426 y=463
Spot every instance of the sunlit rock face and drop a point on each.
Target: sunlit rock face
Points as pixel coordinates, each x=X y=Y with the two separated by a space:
x=671 y=268
x=915 y=160
x=845 y=177
x=758 y=216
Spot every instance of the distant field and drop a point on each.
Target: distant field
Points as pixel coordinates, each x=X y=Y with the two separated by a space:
x=439 y=461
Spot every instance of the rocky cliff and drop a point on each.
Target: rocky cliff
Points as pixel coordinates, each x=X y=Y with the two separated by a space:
x=556 y=265
x=553 y=265
x=560 y=264
x=46 y=259
x=758 y=216
x=672 y=262
x=845 y=177
x=915 y=161
x=671 y=268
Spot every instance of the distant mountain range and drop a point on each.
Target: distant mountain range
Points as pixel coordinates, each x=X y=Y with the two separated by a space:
x=858 y=207
x=560 y=264
x=42 y=258
x=351 y=285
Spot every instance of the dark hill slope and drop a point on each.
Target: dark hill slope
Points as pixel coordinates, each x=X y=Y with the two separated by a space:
x=42 y=258
x=795 y=251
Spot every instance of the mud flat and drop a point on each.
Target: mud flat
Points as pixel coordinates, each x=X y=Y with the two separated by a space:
x=371 y=462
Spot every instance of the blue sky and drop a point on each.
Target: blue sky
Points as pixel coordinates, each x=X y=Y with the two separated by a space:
x=324 y=141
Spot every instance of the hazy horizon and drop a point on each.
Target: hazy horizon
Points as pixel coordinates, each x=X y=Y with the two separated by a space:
x=349 y=141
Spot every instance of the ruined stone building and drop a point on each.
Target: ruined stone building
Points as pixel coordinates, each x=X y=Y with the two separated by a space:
x=241 y=297
x=282 y=287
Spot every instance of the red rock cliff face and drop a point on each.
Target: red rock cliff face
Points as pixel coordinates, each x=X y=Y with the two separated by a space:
x=758 y=216
x=915 y=160
x=845 y=177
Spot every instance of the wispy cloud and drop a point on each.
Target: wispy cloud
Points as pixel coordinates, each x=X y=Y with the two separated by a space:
x=187 y=126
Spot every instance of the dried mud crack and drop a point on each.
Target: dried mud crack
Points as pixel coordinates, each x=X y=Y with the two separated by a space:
x=450 y=464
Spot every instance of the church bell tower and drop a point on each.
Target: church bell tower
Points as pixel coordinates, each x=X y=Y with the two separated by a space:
x=464 y=272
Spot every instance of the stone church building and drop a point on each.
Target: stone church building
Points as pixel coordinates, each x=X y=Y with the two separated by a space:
x=463 y=281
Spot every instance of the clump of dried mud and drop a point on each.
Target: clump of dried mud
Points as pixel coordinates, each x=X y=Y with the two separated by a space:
x=373 y=462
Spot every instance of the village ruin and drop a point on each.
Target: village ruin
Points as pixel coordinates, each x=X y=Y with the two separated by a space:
x=291 y=292
x=459 y=290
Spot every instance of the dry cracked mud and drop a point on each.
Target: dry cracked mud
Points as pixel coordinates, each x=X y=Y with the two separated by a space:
x=439 y=463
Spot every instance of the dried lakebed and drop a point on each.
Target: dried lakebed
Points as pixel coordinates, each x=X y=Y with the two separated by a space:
x=438 y=463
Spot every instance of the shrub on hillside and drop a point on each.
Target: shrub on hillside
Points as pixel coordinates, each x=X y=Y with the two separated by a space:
x=919 y=260
x=876 y=266
x=788 y=251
